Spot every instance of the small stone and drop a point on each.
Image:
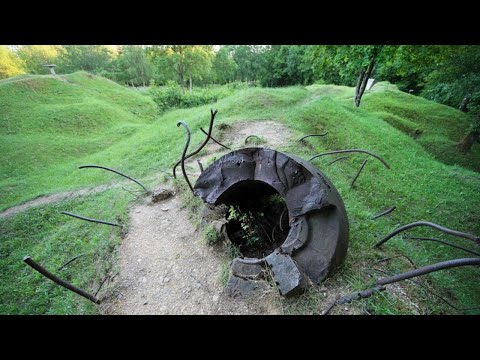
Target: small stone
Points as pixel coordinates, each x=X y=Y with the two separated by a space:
x=145 y=303
x=164 y=209
x=144 y=279
x=161 y=194
x=139 y=260
x=346 y=309
x=137 y=211
x=215 y=298
x=166 y=280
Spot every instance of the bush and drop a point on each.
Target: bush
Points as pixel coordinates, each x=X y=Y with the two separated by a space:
x=171 y=96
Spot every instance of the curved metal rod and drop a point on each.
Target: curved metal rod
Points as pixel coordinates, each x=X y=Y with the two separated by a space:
x=114 y=171
x=350 y=151
x=306 y=136
x=70 y=261
x=216 y=141
x=249 y=136
x=182 y=160
x=358 y=173
x=29 y=261
x=337 y=159
x=91 y=220
x=200 y=166
x=212 y=118
x=428 y=269
x=386 y=212
x=426 y=223
x=444 y=243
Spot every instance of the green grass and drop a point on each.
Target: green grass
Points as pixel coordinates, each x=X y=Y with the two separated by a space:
x=117 y=127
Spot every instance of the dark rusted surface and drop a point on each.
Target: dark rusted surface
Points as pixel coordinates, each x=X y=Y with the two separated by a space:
x=318 y=237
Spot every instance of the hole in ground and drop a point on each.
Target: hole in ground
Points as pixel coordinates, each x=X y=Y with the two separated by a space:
x=254 y=213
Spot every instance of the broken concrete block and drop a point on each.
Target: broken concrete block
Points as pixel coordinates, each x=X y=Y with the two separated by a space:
x=246 y=270
x=286 y=273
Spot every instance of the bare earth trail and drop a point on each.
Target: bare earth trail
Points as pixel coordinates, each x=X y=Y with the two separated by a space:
x=166 y=268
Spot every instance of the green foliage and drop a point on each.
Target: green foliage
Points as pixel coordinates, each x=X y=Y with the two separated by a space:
x=224 y=66
x=10 y=64
x=35 y=56
x=133 y=66
x=211 y=235
x=171 y=96
x=91 y=58
x=248 y=222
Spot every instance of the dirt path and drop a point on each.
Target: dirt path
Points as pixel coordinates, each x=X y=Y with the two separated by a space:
x=165 y=268
x=52 y=198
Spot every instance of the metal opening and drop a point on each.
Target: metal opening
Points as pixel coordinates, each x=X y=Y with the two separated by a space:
x=257 y=218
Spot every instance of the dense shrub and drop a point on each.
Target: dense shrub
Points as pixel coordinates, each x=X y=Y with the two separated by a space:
x=171 y=96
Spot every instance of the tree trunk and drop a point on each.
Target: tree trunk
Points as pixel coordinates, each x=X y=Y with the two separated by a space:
x=466 y=144
x=464 y=103
x=182 y=81
x=357 y=90
x=190 y=78
x=365 y=75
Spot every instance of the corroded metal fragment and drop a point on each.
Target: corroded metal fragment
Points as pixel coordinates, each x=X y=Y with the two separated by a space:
x=318 y=237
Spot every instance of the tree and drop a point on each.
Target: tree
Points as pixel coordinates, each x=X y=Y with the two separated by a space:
x=10 y=64
x=455 y=81
x=223 y=66
x=249 y=60
x=189 y=61
x=91 y=58
x=35 y=56
x=133 y=66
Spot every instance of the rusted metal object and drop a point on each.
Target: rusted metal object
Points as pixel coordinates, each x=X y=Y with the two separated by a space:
x=351 y=151
x=337 y=159
x=432 y=225
x=182 y=160
x=29 y=261
x=215 y=140
x=116 y=172
x=383 y=213
x=89 y=219
x=185 y=157
x=311 y=135
x=318 y=238
x=252 y=136
x=444 y=243
x=359 y=172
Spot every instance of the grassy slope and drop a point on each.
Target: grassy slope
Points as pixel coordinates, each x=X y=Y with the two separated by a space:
x=419 y=184
x=74 y=116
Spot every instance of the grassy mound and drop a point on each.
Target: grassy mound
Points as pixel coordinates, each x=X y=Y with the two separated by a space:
x=116 y=127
